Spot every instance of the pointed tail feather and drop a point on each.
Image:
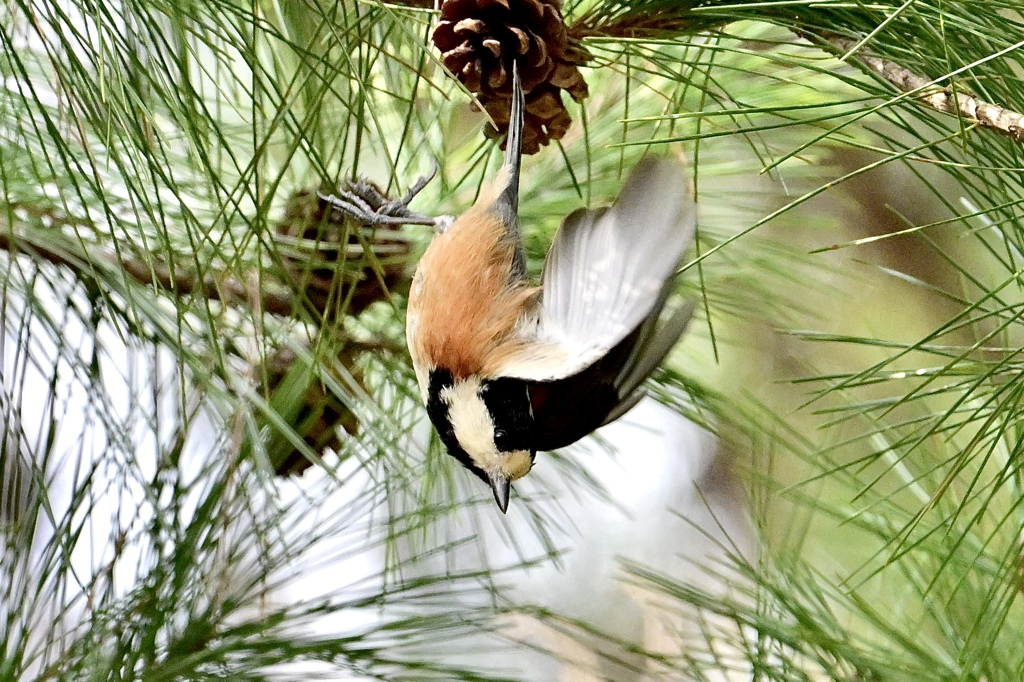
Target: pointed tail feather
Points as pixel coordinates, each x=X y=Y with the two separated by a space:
x=507 y=202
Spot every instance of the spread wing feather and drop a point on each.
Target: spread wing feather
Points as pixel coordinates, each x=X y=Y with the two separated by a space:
x=599 y=330
x=567 y=409
x=607 y=271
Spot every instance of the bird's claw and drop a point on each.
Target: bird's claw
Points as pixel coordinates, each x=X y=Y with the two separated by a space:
x=417 y=187
x=366 y=203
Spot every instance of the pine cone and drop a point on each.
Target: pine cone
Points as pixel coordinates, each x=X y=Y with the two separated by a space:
x=479 y=39
x=325 y=254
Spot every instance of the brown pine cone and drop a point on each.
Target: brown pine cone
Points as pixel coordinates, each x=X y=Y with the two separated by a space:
x=479 y=39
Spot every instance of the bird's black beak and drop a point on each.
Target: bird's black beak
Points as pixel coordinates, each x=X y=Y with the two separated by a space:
x=502 y=488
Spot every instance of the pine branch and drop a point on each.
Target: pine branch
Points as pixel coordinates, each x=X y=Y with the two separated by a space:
x=179 y=281
x=975 y=110
x=359 y=201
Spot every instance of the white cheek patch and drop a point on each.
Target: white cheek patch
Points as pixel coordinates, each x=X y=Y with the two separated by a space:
x=472 y=423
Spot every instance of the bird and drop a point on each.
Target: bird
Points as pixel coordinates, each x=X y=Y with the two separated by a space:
x=506 y=368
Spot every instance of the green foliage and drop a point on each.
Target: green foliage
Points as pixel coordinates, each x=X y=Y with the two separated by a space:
x=148 y=152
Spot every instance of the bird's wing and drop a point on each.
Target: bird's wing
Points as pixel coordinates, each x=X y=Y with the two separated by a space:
x=569 y=408
x=606 y=273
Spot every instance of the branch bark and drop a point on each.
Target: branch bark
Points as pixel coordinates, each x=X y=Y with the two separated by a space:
x=181 y=282
x=359 y=201
x=973 y=109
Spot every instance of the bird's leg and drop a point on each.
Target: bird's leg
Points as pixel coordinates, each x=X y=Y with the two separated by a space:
x=417 y=187
x=365 y=202
x=352 y=200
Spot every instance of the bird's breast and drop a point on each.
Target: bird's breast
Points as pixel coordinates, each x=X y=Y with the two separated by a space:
x=466 y=301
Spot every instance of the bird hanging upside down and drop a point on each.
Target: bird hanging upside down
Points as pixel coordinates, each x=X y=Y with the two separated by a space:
x=506 y=368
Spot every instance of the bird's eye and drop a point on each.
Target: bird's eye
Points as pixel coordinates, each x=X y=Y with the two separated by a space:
x=499 y=435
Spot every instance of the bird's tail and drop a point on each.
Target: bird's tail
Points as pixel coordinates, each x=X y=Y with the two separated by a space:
x=508 y=201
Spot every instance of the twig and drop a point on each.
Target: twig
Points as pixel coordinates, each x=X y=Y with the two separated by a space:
x=227 y=289
x=183 y=282
x=974 y=110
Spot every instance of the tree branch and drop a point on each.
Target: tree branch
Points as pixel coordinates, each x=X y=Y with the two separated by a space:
x=182 y=282
x=229 y=290
x=973 y=109
x=312 y=266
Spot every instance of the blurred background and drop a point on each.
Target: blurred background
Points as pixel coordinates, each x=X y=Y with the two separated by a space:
x=215 y=463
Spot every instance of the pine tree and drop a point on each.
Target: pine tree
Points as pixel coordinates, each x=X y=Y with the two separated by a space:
x=208 y=410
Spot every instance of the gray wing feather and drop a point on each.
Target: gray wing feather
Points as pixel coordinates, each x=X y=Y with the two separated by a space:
x=655 y=343
x=607 y=269
x=653 y=349
x=627 y=404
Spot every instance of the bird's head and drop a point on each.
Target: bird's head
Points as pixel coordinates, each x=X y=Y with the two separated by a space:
x=487 y=425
